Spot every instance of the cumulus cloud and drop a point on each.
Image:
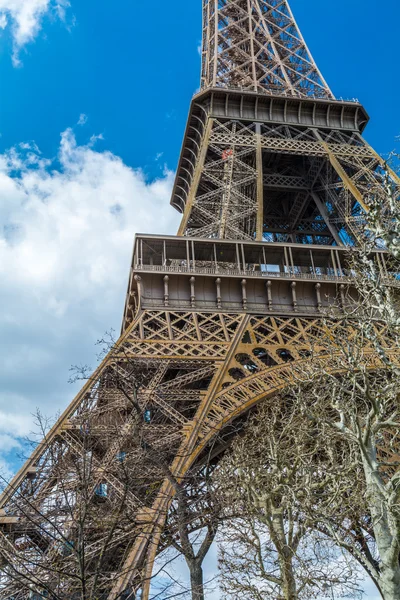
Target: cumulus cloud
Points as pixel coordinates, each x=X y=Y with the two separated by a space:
x=24 y=17
x=66 y=235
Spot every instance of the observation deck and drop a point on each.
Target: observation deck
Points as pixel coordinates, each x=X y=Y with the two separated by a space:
x=235 y=276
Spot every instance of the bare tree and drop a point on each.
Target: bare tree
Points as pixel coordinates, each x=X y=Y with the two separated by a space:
x=65 y=530
x=272 y=471
x=62 y=532
x=250 y=565
x=192 y=525
x=361 y=407
x=383 y=218
x=354 y=398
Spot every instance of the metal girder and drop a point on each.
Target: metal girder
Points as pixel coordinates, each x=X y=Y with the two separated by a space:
x=256 y=45
x=231 y=195
x=184 y=420
x=267 y=150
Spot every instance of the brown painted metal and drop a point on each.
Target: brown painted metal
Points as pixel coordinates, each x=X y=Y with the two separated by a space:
x=256 y=45
x=277 y=168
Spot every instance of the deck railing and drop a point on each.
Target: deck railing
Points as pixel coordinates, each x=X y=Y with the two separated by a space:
x=340 y=276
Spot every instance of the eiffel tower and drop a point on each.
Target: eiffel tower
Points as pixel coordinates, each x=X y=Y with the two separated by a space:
x=272 y=185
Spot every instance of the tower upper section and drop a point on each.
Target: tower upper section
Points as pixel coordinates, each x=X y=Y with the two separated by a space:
x=269 y=154
x=255 y=45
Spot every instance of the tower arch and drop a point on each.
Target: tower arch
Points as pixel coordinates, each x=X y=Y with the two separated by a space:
x=244 y=302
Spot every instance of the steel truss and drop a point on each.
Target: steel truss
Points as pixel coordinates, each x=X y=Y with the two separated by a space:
x=195 y=378
x=283 y=183
x=273 y=182
x=256 y=45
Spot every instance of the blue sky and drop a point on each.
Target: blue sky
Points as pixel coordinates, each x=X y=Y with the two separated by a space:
x=132 y=71
x=93 y=104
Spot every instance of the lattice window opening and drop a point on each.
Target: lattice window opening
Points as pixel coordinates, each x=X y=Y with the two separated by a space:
x=269 y=359
x=264 y=357
x=288 y=132
x=285 y=355
x=247 y=363
x=169 y=412
x=270 y=330
x=343 y=137
x=236 y=374
x=240 y=129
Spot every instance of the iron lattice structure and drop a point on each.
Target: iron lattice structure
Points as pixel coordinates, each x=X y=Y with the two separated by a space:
x=255 y=45
x=273 y=183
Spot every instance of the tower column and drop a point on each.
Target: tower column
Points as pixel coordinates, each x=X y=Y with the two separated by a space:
x=260 y=185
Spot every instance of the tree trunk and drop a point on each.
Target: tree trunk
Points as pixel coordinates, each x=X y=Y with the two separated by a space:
x=289 y=590
x=196 y=580
x=389 y=582
x=386 y=530
x=285 y=554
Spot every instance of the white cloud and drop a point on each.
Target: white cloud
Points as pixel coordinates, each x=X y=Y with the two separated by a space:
x=66 y=235
x=12 y=424
x=25 y=17
x=82 y=119
x=7 y=443
x=5 y=474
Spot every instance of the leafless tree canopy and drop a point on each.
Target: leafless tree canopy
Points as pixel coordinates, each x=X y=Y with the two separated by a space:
x=278 y=476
